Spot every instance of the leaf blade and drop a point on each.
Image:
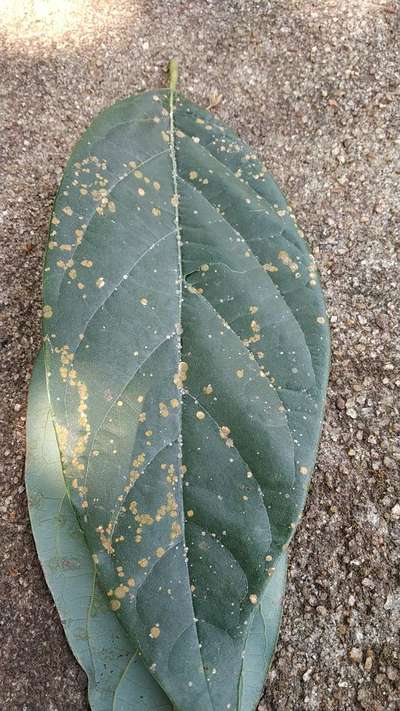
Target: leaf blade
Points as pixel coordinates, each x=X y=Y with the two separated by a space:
x=130 y=380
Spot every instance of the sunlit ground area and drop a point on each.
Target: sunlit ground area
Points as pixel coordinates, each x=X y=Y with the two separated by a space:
x=48 y=21
x=40 y=24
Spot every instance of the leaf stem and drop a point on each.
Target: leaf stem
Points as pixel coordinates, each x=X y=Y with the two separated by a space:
x=173 y=74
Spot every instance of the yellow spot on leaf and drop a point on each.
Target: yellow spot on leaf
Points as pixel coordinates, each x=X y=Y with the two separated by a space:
x=121 y=591
x=288 y=261
x=268 y=267
x=224 y=431
x=47 y=311
x=164 y=412
x=175 y=531
x=181 y=375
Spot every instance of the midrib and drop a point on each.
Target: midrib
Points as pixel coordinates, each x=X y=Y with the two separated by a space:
x=180 y=328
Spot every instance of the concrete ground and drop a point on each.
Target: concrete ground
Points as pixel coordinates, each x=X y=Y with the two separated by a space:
x=314 y=87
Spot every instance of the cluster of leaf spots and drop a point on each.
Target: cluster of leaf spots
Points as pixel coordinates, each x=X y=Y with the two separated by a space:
x=186 y=359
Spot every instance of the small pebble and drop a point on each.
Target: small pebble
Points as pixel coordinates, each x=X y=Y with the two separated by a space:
x=351 y=412
x=340 y=403
x=368 y=664
x=396 y=511
x=356 y=655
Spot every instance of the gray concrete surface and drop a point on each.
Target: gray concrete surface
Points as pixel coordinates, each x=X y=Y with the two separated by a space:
x=314 y=87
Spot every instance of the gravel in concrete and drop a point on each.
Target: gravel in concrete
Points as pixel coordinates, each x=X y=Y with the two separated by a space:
x=314 y=87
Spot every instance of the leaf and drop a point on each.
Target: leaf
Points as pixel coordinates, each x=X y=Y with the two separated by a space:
x=186 y=358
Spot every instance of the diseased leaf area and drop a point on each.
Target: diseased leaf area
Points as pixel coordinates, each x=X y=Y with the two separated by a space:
x=186 y=358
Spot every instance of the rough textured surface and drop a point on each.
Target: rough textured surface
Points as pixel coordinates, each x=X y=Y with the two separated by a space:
x=313 y=86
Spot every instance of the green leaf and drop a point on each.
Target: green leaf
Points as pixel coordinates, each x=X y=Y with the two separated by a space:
x=186 y=358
